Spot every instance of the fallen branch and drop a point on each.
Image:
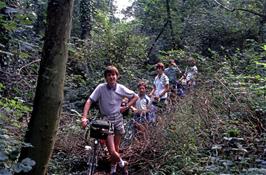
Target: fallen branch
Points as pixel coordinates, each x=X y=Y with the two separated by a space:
x=19 y=70
x=7 y=53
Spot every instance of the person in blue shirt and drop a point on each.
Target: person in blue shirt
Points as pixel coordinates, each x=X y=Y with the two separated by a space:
x=172 y=73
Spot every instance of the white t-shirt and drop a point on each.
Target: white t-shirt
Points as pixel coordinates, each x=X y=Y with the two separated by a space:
x=191 y=73
x=160 y=83
x=143 y=102
x=110 y=99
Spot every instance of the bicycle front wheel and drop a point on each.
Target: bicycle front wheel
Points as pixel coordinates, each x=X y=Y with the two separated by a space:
x=93 y=160
x=91 y=166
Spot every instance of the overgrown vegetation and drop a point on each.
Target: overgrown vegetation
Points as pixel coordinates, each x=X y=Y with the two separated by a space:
x=217 y=128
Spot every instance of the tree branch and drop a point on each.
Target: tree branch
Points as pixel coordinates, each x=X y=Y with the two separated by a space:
x=19 y=70
x=240 y=9
x=158 y=36
x=251 y=11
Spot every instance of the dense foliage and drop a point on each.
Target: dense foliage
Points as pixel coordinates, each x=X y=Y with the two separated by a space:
x=220 y=128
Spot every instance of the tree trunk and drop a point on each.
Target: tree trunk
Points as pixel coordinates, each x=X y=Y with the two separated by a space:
x=86 y=27
x=49 y=93
x=111 y=11
x=262 y=28
x=158 y=36
x=4 y=33
x=85 y=19
x=169 y=18
x=39 y=25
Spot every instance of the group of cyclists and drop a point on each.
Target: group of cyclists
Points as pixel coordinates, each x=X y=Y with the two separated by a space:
x=114 y=99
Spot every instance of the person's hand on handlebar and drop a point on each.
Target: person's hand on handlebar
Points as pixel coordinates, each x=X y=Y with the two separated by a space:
x=84 y=122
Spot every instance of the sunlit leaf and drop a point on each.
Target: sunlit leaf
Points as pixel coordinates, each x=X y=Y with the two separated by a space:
x=264 y=47
x=5 y=172
x=11 y=25
x=2 y=4
x=260 y=63
x=3 y=156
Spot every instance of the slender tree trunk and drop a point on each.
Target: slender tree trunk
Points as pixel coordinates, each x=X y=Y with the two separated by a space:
x=49 y=93
x=158 y=36
x=39 y=25
x=262 y=28
x=111 y=11
x=85 y=19
x=169 y=18
x=86 y=27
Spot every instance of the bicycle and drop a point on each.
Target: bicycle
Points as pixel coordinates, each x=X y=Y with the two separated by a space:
x=132 y=128
x=98 y=130
x=129 y=135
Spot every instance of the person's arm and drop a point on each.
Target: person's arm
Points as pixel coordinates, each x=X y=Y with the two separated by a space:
x=86 y=109
x=152 y=91
x=178 y=70
x=130 y=103
x=183 y=77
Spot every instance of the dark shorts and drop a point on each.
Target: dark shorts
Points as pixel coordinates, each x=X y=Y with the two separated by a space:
x=140 y=119
x=117 y=120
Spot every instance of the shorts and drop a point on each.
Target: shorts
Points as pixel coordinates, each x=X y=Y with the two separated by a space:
x=152 y=114
x=117 y=120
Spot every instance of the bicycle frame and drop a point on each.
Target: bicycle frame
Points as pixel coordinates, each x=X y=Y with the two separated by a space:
x=93 y=158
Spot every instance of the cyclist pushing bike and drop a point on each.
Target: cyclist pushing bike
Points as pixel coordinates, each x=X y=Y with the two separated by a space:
x=109 y=96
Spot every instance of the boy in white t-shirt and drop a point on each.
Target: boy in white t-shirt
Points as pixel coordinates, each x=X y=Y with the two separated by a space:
x=142 y=105
x=190 y=74
x=160 y=84
x=141 y=108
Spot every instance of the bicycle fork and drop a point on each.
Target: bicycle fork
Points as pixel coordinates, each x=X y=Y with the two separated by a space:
x=93 y=160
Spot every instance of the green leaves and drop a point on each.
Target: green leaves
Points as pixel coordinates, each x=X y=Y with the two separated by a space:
x=2 y=4
x=25 y=165
x=2 y=87
x=260 y=63
x=10 y=25
x=264 y=47
x=3 y=156
x=14 y=106
x=10 y=148
x=233 y=132
x=5 y=172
